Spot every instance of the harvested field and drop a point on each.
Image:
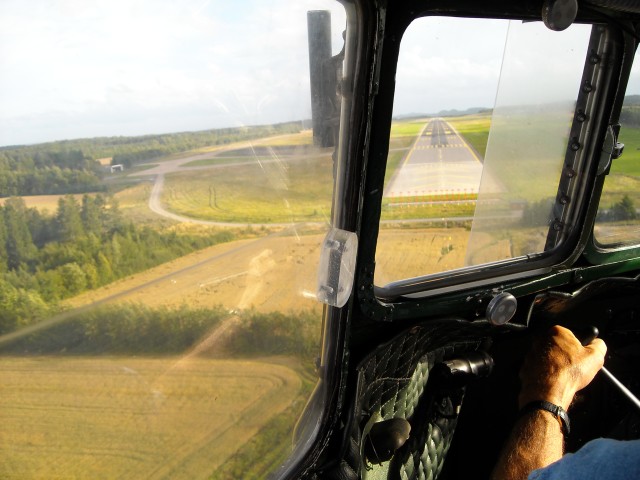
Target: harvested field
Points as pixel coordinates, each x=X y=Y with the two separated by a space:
x=45 y=203
x=275 y=273
x=408 y=253
x=106 y=417
x=278 y=272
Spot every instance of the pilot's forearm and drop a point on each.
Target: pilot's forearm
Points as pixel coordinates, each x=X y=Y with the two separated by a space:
x=555 y=368
x=535 y=442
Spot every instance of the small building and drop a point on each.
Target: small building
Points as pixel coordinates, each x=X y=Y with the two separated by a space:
x=117 y=168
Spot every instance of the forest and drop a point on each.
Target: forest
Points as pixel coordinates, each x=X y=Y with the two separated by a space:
x=630 y=114
x=72 y=166
x=84 y=245
x=88 y=243
x=33 y=171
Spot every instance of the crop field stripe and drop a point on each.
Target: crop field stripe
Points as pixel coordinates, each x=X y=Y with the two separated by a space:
x=133 y=418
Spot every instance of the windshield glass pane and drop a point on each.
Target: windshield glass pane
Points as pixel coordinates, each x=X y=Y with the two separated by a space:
x=482 y=116
x=163 y=205
x=618 y=221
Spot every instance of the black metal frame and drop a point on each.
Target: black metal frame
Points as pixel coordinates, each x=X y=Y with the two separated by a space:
x=351 y=332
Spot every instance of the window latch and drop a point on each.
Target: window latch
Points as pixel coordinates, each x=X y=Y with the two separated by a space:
x=611 y=150
x=617 y=148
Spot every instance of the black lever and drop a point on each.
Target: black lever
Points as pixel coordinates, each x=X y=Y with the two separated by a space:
x=385 y=438
x=473 y=364
x=586 y=335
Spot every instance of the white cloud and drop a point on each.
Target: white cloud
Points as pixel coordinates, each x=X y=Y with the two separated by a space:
x=128 y=67
x=452 y=63
x=448 y=63
x=72 y=68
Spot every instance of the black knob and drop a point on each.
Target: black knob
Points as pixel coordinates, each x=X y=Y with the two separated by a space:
x=385 y=438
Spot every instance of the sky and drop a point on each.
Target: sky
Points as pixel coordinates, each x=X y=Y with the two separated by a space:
x=73 y=69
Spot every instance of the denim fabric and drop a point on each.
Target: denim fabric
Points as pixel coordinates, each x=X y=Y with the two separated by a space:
x=601 y=459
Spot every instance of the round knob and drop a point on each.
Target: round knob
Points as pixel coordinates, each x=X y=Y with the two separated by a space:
x=501 y=308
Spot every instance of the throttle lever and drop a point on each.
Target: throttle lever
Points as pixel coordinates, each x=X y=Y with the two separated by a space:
x=586 y=335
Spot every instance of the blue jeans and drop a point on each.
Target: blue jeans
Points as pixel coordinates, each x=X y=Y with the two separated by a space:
x=601 y=459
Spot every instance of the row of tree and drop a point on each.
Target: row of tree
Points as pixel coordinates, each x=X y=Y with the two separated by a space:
x=120 y=329
x=539 y=213
x=136 y=329
x=630 y=116
x=49 y=181
x=34 y=158
x=44 y=259
x=104 y=147
x=70 y=166
x=32 y=171
x=155 y=146
x=622 y=210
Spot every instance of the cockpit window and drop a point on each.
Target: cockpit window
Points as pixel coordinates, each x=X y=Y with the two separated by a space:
x=482 y=115
x=618 y=221
x=163 y=204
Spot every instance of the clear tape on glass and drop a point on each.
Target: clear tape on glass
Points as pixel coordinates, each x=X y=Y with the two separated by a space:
x=337 y=267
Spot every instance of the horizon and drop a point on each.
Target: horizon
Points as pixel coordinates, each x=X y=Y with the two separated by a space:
x=76 y=71
x=124 y=68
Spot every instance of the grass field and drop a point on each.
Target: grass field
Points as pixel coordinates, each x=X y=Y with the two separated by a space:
x=220 y=161
x=407 y=253
x=276 y=192
x=278 y=273
x=197 y=417
x=305 y=137
x=407 y=128
x=403 y=135
x=272 y=189
x=474 y=129
x=133 y=418
x=423 y=207
x=624 y=177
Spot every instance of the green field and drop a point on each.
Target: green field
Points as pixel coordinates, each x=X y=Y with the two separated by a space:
x=276 y=192
x=474 y=129
x=407 y=128
x=193 y=416
x=624 y=177
x=220 y=161
x=424 y=207
x=286 y=191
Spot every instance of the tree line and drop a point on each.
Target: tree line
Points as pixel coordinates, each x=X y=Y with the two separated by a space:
x=135 y=329
x=622 y=210
x=70 y=166
x=121 y=329
x=630 y=116
x=31 y=171
x=155 y=146
x=84 y=245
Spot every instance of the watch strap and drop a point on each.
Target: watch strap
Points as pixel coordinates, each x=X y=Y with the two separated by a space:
x=559 y=412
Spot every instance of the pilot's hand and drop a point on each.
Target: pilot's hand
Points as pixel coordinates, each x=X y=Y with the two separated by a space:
x=557 y=366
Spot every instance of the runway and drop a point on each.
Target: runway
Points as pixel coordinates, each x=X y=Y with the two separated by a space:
x=440 y=162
